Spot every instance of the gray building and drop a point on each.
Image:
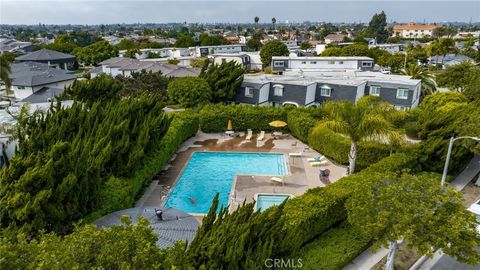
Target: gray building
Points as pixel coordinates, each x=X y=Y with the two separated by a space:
x=313 y=89
x=282 y=64
x=49 y=57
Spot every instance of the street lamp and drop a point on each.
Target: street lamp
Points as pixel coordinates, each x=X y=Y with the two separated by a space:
x=449 y=152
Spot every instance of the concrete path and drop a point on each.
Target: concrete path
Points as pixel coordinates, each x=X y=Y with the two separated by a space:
x=367 y=259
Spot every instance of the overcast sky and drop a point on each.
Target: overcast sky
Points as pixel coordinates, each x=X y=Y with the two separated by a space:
x=160 y=11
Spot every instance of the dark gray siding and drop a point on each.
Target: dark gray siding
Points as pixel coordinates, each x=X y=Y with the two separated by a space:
x=360 y=64
x=339 y=92
x=293 y=93
x=285 y=65
x=240 y=97
x=389 y=95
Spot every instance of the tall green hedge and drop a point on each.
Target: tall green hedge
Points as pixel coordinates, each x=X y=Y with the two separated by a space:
x=300 y=122
x=334 y=249
x=120 y=193
x=337 y=147
x=214 y=117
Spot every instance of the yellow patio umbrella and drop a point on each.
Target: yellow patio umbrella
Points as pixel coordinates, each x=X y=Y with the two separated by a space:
x=277 y=124
x=229 y=125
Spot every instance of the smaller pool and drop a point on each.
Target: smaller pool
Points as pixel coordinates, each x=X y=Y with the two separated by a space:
x=265 y=201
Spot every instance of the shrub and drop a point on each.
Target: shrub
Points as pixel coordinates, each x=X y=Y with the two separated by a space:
x=334 y=249
x=214 y=118
x=300 y=123
x=189 y=91
x=337 y=147
x=411 y=129
x=120 y=193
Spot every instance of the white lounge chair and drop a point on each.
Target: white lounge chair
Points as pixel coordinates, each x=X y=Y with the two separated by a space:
x=316 y=159
x=319 y=163
x=261 y=136
x=299 y=154
x=277 y=180
x=249 y=135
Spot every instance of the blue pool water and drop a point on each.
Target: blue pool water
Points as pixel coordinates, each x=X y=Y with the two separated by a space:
x=210 y=172
x=265 y=201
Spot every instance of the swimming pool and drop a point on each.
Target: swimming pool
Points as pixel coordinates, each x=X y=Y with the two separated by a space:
x=265 y=201
x=210 y=172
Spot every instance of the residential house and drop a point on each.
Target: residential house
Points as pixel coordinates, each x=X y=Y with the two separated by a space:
x=249 y=60
x=389 y=47
x=31 y=77
x=413 y=30
x=200 y=51
x=126 y=66
x=335 y=38
x=449 y=60
x=15 y=46
x=282 y=64
x=49 y=57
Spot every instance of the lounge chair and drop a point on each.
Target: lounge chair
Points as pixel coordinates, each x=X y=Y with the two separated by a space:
x=277 y=180
x=318 y=163
x=316 y=159
x=261 y=136
x=299 y=154
x=249 y=135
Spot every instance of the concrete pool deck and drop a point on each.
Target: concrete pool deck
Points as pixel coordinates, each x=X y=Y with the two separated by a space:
x=301 y=175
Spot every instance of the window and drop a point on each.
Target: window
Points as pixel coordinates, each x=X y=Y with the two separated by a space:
x=21 y=87
x=278 y=90
x=325 y=91
x=340 y=62
x=375 y=90
x=366 y=64
x=402 y=93
x=304 y=62
x=278 y=64
x=224 y=60
x=248 y=91
x=313 y=62
x=331 y=62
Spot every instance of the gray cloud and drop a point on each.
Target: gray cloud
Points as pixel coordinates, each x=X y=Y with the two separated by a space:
x=97 y=12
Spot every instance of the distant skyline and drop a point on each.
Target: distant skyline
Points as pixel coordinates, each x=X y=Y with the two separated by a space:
x=113 y=12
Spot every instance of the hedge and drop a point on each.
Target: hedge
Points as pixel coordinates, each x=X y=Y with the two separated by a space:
x=337 y=147
x=120 y=193
x=214 y=118
x=300 y=122
x=319 y=209
x=334 y=249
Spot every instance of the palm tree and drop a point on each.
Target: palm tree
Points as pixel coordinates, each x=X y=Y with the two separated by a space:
x=274 y=21
x=418 y=72
x=5 y=71
x=256 y=19
x=368 y=119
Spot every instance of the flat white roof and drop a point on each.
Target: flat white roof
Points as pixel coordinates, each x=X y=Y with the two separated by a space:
x=322 y=58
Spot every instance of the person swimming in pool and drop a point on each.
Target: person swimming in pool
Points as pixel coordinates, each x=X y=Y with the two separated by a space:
x=193 y=200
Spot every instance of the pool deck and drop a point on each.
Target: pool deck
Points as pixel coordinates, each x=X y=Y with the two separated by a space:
x=301 y=175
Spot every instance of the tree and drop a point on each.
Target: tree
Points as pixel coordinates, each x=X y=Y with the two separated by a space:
x=254 y=44
x=173 y=61
x=126 y=44
x=444 y=31
x=184 y=41
x=132 y=53
x=272 y=48
x=96 y=53
x=130 y=246
x=224 y=79
x=442 y=46
x=417 y=72
x=332 y=51
x=189 y=91
x=207 y=40
x=139 y=83
x=256 y=19
x=101 y=88
x=274 y=21
x=59 y=46
x=5 y=71
x=377 y=27
x=415 y=209
x=458 y=77
x=306 y=45
x=357 y=49
x=369 y=118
